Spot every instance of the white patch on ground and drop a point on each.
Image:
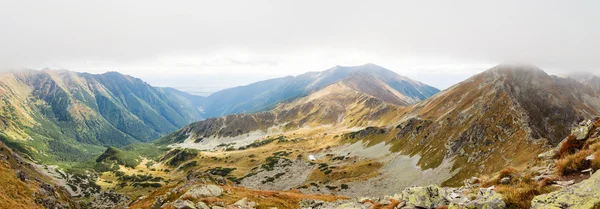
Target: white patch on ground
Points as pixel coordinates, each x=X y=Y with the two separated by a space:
x=399 y=173
x=212 y=142
x=61 y=178
x=56 y=175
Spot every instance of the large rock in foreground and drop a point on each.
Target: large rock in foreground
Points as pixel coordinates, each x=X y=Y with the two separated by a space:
x=425 y=197
x=585 y=194
x=208 y=190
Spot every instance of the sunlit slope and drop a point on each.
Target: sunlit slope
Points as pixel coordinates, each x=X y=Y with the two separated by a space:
x=62 y=115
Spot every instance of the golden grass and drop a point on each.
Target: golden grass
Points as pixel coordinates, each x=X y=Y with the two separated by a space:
x=267 y=199
x=13 y=192
x=505 y=172
x=573 y=163
x=358 y=171
x=570 y=146
x=521 y=190
x=596 y=161
x=521 y=194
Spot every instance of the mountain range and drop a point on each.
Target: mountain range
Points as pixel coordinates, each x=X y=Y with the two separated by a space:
x=65 y=115
x=324 y=136
x=267 y=94
x=468 y=128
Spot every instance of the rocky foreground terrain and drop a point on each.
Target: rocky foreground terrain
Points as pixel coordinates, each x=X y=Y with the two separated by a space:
x=546 y=183
x=510 y=137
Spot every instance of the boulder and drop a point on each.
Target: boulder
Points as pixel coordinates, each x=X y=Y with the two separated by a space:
x=472 y=182
x=202 y=191
x=425 y=197
x=244 y=203
x=311 y=203
x=582 y=131
x=585 y=194
x=183 y=204
x=157 y=203
x=487 y=198
x=548 y=155
x=202 y=205
x=505 y=180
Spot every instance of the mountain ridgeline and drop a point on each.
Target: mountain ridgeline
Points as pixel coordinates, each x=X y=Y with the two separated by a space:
x=344 y=132
x=502 y=117
x=265 y=95
x=63 y=115
x=358 y=100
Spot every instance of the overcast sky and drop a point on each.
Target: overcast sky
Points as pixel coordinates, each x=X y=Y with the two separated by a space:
x=203 y=46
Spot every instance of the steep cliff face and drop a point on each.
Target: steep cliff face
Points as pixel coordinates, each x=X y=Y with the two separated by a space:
x=61 y=114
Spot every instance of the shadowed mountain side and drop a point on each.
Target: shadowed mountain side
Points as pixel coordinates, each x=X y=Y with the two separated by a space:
x=62 y=114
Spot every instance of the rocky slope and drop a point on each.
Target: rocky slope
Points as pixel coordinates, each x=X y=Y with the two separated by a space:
x=502 y=117
x=265 y=95
x=588 y=79
x=24 y=186
x=68 y=116
x=358 y=101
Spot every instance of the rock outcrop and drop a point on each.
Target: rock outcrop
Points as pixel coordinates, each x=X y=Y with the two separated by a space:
x=204 y=191
x=421 y=197
x=585 y=194
x=486 y=198
x=582 y=131
x=425 y=197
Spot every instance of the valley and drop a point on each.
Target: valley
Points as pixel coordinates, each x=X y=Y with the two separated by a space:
x=347 y=137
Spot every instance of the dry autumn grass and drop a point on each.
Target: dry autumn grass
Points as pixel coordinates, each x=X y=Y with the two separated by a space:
x=576 y=162
x=571 y=160
x=570 y=146
x=13 y=192
x=264 y=198
x=521 y=190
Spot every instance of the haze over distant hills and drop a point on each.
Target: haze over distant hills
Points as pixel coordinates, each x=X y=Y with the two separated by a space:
x=67 y=113
x=265 y=95
x=367 y=130
x=502 y=117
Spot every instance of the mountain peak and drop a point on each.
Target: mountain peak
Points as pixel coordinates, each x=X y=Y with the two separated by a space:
x=517 y=69
x=517 y=74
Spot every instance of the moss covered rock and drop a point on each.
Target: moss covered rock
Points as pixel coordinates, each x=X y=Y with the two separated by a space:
x=486 y=199
x=585 y=194
x=425 y=197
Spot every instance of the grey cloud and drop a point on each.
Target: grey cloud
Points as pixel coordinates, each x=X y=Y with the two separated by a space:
x=549 y=33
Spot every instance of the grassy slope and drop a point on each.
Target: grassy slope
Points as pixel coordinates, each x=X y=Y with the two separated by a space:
x=62 y=117
x=15 y=193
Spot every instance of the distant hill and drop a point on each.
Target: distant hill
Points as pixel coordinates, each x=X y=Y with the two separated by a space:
x=265 y=95
x=502 y=117
x=357 y=100
x=63 y=115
